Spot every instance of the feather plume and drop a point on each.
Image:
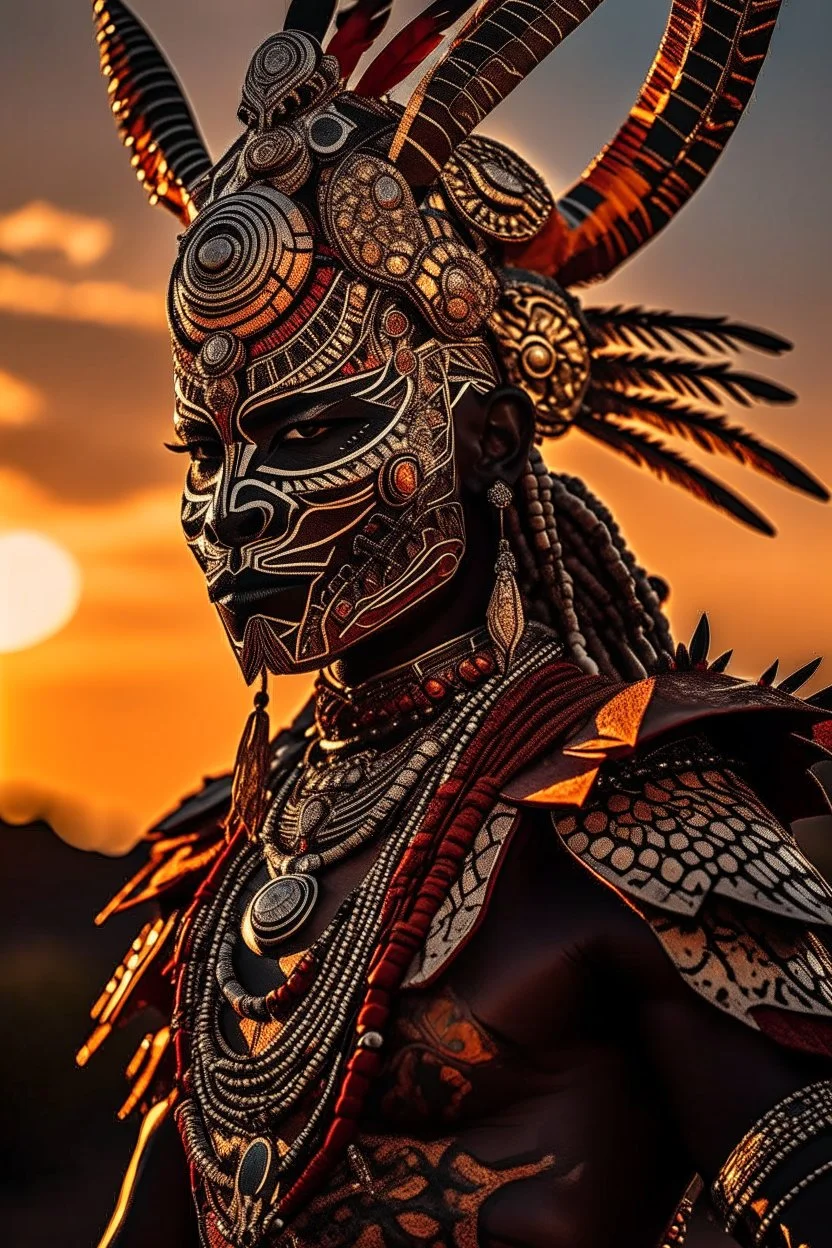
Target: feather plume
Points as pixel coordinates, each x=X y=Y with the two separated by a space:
x=410 y=47
x=649 y=453
x=688 y=378
x=357 y=30
x=311 y=16
x=622 y=326
x=710 y=431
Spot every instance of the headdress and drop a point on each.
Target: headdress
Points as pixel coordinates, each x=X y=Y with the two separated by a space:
x=408 y=199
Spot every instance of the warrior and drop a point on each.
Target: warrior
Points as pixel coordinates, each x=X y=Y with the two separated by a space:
x=508 y=939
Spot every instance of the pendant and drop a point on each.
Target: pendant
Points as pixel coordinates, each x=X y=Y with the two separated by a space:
x=278 y=910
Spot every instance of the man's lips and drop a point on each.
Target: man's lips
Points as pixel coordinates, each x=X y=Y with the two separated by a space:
x=248 y=588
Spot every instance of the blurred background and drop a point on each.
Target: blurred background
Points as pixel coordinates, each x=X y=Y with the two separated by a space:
x=117 y=690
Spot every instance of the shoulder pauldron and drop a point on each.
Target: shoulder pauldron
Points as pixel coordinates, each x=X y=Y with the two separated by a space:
x=724 y=887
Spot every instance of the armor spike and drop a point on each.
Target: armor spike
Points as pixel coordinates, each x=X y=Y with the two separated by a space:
x=822 y=699
x=152 y=115
x=700 y=642
x=790 y=684
x=769 y=674
x=721 y=662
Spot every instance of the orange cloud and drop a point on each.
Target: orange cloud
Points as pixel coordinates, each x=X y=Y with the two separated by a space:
x=98 y=303
x=20 y=402
x=40 y=226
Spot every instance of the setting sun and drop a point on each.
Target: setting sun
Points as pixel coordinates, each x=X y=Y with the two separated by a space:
x=40 y=587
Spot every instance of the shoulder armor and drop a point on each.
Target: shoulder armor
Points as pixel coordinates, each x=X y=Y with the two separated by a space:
x=668 y=834
x=638 y=714
x=771 y=975
x=725 y=888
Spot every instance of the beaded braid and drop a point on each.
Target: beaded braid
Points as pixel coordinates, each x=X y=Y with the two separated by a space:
x=577 y=575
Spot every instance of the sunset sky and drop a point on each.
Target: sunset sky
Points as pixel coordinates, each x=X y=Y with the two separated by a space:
x=105 y=725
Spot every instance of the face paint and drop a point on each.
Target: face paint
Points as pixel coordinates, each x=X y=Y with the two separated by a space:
x=320 y=512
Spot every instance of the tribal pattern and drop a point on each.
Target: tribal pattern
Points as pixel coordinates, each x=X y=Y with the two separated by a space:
x=438 y=1049
x=679 y=833
x=748 y=964
x=407 y=1193
x=457 y=918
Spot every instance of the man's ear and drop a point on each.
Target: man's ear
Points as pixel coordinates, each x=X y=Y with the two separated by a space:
x=496 y=440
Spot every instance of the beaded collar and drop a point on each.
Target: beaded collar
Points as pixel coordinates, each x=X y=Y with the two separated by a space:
x=400 y=699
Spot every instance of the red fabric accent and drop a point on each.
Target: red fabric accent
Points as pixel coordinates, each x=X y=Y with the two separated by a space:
x=544 y=708
x=795 y=1031
x=822 y=733
x=321 y=283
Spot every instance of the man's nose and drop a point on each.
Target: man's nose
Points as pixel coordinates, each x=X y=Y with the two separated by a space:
x=235 y=527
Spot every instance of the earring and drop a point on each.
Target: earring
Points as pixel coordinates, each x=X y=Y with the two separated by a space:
x=248 y=787
x=505 y=617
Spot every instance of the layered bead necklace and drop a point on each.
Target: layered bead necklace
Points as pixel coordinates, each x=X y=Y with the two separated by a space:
x=237 y=1105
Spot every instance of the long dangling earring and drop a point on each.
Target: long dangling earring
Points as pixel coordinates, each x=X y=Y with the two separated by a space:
x=505 y=617
x=251 y=769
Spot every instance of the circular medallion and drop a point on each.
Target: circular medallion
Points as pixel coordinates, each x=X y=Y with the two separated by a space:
x=495 y=191
x=244 y=262
x=278 y=910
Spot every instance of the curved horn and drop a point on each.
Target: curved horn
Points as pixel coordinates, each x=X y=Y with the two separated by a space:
x=152 y=115
x=696 y=91
x=494 y=51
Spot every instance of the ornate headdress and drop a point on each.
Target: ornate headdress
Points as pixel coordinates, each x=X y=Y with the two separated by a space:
x=342 y=231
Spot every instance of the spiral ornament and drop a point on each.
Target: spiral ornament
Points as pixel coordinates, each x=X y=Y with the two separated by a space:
x=245 y=261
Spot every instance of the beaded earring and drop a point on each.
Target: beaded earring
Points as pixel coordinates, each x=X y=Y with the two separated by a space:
x=505 y=617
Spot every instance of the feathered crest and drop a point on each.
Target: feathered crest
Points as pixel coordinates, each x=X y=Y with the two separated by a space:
x=412 y=46
x=357 y=29
x=630 y=389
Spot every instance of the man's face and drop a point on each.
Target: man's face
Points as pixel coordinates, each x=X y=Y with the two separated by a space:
x=319 y=515
x=322 y=500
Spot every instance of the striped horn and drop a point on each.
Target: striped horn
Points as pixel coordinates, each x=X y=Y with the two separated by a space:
x=152 y=115
x=494 y=51
x=692 y=99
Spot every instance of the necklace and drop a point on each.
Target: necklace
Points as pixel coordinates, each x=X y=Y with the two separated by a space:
x=345 y=794
x=279 y=1098
x=403 y=697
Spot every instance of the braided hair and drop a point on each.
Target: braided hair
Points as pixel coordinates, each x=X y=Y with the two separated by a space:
x=578 y=576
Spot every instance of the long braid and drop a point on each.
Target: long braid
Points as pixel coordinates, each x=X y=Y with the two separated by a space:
x=577 y=575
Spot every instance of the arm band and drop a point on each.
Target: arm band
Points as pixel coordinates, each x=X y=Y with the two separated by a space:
x=751 y=1172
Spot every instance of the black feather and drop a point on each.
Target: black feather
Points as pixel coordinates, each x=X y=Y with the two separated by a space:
x=623 y=326
x=665 y=463
x=721 y=661
x=311 y=16
x=700 y=642
x=688 y=378
x=797 y=679
x=769 y=674
x=710 y=431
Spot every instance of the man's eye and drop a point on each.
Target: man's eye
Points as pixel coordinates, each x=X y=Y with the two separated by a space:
x=202 y=452
x=304 y=433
